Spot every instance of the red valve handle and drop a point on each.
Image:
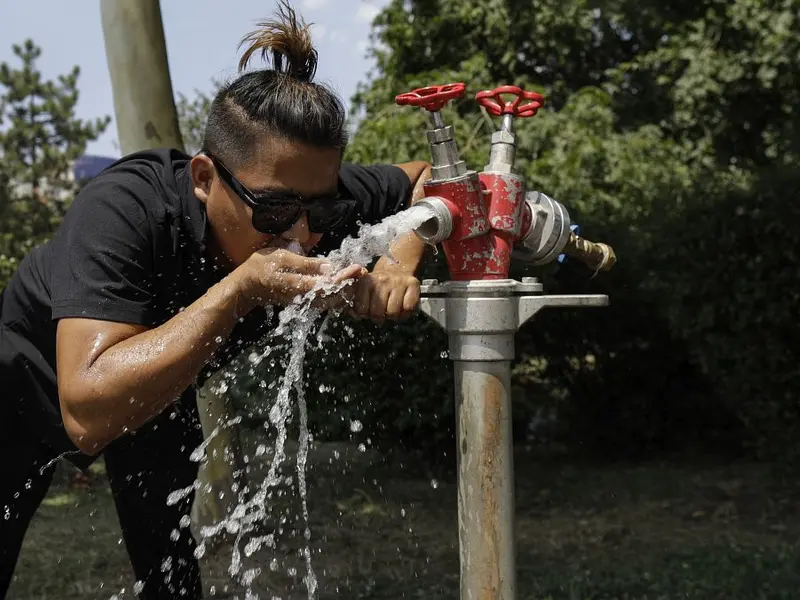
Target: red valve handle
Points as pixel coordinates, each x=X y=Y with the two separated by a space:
x=491 y=101
x=433 y=97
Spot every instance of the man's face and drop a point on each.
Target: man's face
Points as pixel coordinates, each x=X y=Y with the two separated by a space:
x=277 y=165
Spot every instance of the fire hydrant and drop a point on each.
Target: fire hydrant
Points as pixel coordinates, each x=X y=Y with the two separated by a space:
x=483 y=221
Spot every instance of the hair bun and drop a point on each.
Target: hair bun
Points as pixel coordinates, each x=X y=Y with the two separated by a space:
x=287 y=41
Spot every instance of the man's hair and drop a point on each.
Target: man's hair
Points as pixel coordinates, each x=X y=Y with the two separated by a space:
x=281 y=101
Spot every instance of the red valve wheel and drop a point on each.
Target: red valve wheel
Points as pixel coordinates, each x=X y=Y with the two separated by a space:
x=491 y=100
x=433 y=97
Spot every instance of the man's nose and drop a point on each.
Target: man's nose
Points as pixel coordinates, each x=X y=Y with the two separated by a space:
x=299 y=231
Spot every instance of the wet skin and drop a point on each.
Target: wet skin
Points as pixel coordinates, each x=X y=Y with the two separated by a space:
x=114 y=377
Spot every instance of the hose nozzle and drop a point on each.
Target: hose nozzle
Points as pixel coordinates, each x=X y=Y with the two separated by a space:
x=595 y=255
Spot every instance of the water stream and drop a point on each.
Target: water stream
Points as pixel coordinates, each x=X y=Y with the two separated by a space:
x=250 y=518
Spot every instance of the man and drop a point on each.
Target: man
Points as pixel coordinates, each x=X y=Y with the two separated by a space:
x=164 y=266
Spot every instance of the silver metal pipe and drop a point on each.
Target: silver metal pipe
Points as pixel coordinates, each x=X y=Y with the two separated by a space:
x=487 y=545
x=481 y=319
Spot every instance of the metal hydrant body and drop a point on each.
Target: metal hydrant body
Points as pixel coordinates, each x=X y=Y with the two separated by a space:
x=483 y=221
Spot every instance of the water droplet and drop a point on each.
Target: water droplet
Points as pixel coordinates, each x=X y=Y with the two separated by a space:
x=200 y=551
x=434 y=484
x=294 y=325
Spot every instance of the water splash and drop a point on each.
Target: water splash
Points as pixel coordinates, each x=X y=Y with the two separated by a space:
x=376 y=240
x=296 y=322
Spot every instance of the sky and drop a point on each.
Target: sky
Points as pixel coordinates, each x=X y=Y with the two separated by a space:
x=202 y=43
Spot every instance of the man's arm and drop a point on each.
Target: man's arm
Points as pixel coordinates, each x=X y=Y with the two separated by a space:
x=114 y=377
x=408 y=252
x=391 y=290
x=117 y=364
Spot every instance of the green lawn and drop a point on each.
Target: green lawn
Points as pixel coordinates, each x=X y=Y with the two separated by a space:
x=649 y=532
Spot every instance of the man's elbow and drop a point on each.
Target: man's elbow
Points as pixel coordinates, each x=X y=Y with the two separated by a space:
x=83 y=435
x=89 y=436
x=418 y=171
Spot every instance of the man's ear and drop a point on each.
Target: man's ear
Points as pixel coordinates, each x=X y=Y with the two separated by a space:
x=203 y=174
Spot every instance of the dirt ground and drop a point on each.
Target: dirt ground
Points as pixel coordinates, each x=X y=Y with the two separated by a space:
x=644 y=532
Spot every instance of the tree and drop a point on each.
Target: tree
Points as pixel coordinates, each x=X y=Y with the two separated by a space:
x=40 y=137
x=665 y=121
x=670 y=131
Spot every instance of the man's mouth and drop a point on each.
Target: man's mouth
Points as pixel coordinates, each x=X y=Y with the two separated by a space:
x=296 y=248
x=290 y=245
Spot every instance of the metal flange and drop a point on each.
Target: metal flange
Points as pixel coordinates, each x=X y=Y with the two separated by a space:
x=482 y=317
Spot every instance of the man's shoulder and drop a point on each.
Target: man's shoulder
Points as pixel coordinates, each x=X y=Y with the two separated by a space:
x=146 y=182
x=160 y=161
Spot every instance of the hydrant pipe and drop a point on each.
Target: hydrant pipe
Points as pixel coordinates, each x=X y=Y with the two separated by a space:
x=481 y=319
x=480 y=219
x=487 y=545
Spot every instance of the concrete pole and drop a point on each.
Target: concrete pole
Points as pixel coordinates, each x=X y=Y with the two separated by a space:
x=137 y=61
x=147 y=118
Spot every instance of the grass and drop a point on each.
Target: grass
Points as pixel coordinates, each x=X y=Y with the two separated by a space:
x=646 y=532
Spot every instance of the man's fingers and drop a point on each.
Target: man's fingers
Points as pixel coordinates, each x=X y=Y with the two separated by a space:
x=296 y=263
x=351 y=272
x=394 y=307
x=308 y=266
x=363 y=295
x=379 y=302
x=411 y=297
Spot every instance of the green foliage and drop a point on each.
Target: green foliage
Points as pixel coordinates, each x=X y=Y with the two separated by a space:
x=192 y=114
x=39 y=139
x=671 y=132
x=738 y=246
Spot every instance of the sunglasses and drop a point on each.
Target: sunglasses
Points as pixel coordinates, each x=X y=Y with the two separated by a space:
x=276 y=212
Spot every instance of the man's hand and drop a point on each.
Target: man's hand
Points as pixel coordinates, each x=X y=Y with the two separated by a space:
x=277 y=276
x=385 y=295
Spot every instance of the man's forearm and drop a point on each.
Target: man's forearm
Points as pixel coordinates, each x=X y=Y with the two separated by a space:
x=408 y=251
x=151 y=369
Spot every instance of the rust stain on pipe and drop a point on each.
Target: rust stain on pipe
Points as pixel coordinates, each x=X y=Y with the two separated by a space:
x=492 y=445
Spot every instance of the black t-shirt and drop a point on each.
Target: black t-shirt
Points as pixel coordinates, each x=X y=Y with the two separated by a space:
x=131 y=249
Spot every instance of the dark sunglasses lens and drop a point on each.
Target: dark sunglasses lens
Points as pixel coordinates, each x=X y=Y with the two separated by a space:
x=275 y=217
x=328 y=214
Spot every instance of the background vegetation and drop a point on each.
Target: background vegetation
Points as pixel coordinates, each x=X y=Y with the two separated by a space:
x=671 y=131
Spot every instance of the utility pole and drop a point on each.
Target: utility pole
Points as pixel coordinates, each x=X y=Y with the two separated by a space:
x=137 y=61
x=146 y=117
